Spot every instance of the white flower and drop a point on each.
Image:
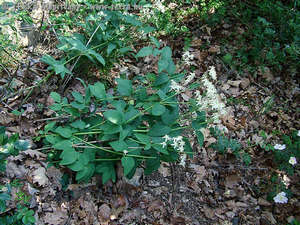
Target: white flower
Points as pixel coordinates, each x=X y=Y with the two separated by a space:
x=167 y=138
x=213 y=73
x=125 y=152
x=189 y=78
x=182 y=160
x=164 y=144
x=279 y=147
x=187 y=57
x=293 y=161
x=281 y=198
x=176 y=87
x=298 y=134
x=177 y=139
x=159 y=6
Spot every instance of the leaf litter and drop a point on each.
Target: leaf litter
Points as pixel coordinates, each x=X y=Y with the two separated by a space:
x=212 y=189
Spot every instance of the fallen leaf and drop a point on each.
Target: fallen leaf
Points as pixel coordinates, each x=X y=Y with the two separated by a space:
x=214 y=49
x=39 y=176
x=34 y=154
x=245 y=82
x=104 y=213
x=232 y=180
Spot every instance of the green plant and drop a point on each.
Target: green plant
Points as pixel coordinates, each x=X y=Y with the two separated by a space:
x=23 y=215
x=272 y=31
x=223 y=144
x=10 y=146
x=102 y=39
x=129 y=126
x=283 y=157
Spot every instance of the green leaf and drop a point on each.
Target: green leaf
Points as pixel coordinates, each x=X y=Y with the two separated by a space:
x=82 y=161
x=5 y=197
x=17 y=113
x=86 y=173
x=128 y=164
x=227 y=58
x=64 y=132
x=114 y=116
x=63 y=145
x=22 y=145
x=147 y=30
x=55 y=96
x=158 y=109
x=110 y=48
x=56 y=107
x=78 y=124
x=162 y=64
x=159 y=130
x=78 y=97
x=119 y=146
x=145 y=51
x=78 y=106
x=97 y=56
x=57 y=66
x=145 y=139
x=151 y=165
x=69 y=156
x=161 y=79
x=124 y=87
x=200 y=138
x=98 y=90
x=170 y=116
x=155 y=41
x=107 y=170
x=110 y=128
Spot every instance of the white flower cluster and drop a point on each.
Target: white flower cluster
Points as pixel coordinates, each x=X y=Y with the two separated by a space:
x=211 y=101
x=189 y=78
x=187 y=58
x=178 y=144
x=279 y=147
x=176 y=87
x=158 y=5
x=281 y=198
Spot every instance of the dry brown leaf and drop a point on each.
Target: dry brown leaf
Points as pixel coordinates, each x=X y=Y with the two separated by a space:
x=34 y=154
x=54 y=175
x=269 y=216
x=196 y=42
x=200 y=172
x=14 y=170
x=245 y=82
x=57 y=217
x=263 y=202
x=164 y=170
x=266 y=73
x=234 y=83
x=39 y=177
x=214 y=49
x=232 y=180
x=104 y=213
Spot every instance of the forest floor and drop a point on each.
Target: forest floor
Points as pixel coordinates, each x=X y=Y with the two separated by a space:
x=212 y=188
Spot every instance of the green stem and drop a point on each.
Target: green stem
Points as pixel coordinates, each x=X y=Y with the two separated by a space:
x=179 y=128
x=98 y=147
x=97 y=160
x=86 y=133
x=140 y=131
